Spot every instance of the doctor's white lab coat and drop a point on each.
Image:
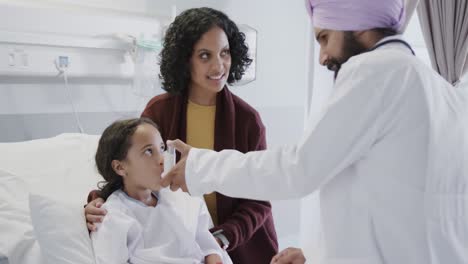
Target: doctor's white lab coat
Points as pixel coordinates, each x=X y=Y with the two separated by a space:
x=389 y=156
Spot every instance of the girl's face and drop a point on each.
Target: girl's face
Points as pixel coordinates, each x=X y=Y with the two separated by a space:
x=142 y=168
x=210 y=62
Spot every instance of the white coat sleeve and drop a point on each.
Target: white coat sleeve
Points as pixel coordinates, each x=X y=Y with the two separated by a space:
x=347 y=129
x=116 y=238
x=204 y=238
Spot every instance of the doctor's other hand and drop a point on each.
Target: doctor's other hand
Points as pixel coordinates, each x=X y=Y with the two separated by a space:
x=289 y=256
x=94 y=213
x=175 y=178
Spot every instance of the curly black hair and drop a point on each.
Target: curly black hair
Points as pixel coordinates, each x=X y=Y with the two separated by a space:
x=114 y=145
x=183 y=34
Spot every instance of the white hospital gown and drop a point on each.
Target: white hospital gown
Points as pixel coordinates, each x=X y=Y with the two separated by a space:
x=176 y=230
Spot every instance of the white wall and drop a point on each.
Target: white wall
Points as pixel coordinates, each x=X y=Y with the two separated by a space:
x=281 y=89
x=33 y=101
x=413 y=35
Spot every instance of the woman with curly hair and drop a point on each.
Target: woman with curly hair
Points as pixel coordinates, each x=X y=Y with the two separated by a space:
x=203 y=51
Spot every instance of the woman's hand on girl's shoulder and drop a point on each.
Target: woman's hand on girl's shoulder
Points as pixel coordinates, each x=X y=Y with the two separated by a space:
x=94 y=213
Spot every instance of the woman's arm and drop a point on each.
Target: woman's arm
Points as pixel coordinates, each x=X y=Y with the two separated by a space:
x=242 y=224
x=94 y=214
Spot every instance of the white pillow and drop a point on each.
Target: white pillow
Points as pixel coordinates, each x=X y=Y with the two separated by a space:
x=16 y=233
x=48 y=166
x=13 y=189
x=61 y=231
x=51 y=165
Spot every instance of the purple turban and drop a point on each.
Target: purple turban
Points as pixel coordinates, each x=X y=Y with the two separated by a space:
x=354 y=15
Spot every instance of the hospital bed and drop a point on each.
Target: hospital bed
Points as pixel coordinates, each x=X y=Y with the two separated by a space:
x=43 y=187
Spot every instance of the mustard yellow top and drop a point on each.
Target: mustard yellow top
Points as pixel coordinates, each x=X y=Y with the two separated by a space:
x=200 y=134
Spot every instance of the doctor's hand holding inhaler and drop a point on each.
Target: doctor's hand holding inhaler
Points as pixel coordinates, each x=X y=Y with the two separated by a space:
x=175 y=176
x=169 y=159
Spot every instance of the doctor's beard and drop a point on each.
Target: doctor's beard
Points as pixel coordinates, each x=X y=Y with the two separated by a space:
x=351 y=47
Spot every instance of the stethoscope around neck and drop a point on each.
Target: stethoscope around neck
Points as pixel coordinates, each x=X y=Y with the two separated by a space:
x=383 y=43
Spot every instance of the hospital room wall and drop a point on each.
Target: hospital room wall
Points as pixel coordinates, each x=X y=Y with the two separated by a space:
x=37 y=108
x=34 y=100
x=284 y=44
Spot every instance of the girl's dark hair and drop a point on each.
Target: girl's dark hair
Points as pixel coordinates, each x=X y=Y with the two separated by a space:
x=114 y=145
x=180 y=38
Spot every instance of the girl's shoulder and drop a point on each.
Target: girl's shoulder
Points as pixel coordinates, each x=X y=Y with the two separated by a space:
x=116 y=204
x=119 y=217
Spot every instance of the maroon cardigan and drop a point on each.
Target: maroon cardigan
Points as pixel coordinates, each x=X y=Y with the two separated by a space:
x=247 y=224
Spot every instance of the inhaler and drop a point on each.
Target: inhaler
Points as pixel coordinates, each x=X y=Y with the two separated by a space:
x=169 y=159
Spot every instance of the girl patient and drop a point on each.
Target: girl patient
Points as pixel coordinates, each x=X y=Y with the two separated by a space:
x=143 y=221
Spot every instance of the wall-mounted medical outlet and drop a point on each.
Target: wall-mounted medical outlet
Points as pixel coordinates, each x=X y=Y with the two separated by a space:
x=24 y=59
x=11 y=59
x=47 y=61
x=17 y=58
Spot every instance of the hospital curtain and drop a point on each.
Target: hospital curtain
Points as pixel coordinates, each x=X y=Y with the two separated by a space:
x=445 y=28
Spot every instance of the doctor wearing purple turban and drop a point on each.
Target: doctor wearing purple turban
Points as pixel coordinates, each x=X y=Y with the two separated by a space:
x=389 y=155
